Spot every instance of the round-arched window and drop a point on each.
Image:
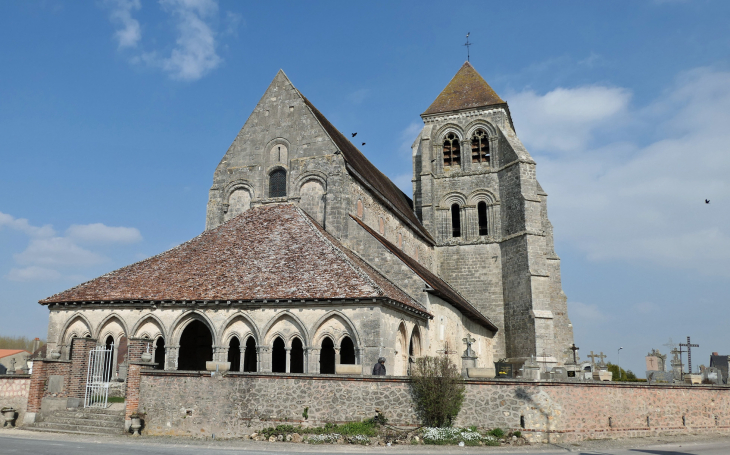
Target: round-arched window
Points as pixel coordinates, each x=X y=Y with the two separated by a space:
x=277 y=183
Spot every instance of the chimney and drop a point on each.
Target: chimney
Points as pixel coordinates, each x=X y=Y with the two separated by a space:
x=715 y=353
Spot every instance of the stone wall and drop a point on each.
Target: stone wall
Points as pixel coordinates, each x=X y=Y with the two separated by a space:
x=190 y=404
x=14 y=394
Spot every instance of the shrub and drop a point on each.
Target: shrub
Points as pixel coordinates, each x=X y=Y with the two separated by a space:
x=443 y=436
x=497 y=433
x=438 y=390
x=517 y=434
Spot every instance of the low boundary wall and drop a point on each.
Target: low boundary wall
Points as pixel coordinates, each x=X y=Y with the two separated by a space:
x=14 y=391
x=196 y=404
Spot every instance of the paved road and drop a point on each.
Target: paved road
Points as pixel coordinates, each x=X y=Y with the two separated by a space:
x=49 y=444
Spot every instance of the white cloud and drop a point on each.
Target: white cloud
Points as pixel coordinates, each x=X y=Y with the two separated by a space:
x=585 y=312
x=33 y=273
x=100 y=233
x=408 y=136
x=194 y=54
x=628 y=198
x=22 y=225
x=564 y=119
x=358 y=96
x=57 y=251
x=130 y=32
x=48 y=255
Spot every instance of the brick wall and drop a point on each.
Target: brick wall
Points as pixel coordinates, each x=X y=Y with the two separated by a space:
x=198 y=405
x=76 y=384
x=14 y=391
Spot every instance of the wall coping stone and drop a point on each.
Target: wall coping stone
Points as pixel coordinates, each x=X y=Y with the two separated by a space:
x=15 y=376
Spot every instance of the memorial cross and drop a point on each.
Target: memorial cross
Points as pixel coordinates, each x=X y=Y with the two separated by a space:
x=689 y=347
x=574 y=348
x=602 y=356
x=592 y=356
x=467 y=46
x=445 y=350
x=469 y=341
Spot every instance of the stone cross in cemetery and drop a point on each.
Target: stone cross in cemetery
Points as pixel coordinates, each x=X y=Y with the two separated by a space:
x=445 y=350
x=469 y=341
x=592 y=356
x=677 y=366
x=689 y=347
x=575 y=349
x=602 y=356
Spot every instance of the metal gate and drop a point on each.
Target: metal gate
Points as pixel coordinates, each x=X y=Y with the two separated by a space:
x=98 y=376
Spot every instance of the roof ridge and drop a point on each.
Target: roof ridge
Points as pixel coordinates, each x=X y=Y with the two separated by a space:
x=337 y=251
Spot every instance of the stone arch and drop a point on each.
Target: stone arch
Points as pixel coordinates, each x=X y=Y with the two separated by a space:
x=271 y=330
x=232 y=327
x=480 y=195
x=195 y=337
x=471 y=128
x=342 y=328
x=446 y=129
x=143 y=322
x=452 y=198
x=274 y=156
x=238 y=197
x=100 y=330
x=71 y=328
x=327 y=355
x=184 y=319
x=415 y=343
x=400 y=362
x=312 y=190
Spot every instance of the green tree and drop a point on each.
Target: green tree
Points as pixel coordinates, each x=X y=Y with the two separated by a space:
x=625 y=375
x=7 y=342
x=438 y=390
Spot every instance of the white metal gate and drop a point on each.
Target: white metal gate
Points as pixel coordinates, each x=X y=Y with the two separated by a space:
x=98 y=376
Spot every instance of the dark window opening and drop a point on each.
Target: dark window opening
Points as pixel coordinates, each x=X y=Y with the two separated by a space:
x=196 y=347
x=347 y=351
x=234 y=354
x=278 y=356
x=277 y=183
x=249 y=357
x=480 y=147
x=109 y=359
x=482 y=214
x=455 y=221
x=296 y=359
x=452 y=150
x=160 y=354
x=327 y=357
x=522 y=421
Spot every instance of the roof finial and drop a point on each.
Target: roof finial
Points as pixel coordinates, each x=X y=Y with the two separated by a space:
x=467 y=44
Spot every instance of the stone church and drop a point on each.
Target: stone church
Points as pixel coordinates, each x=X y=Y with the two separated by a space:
x=314 y=262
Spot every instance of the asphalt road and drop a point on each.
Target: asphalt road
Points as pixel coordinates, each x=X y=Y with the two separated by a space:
x=50 y=444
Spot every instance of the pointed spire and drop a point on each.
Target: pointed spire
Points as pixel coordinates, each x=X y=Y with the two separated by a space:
x=467 y=89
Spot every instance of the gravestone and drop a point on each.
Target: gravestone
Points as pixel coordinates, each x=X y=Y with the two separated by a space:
x=503 y=369
x=559 y=374
x=652 y=363
x=713 y=375
x=531 y=370
x=55 y=383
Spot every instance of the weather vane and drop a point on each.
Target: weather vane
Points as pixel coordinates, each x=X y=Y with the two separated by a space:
x=467 y=44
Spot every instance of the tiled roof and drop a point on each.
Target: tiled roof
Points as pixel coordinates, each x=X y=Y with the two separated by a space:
x=385 y=188
x=467 y=90
x=268 y=252
x=439 y=286
x=8 y=352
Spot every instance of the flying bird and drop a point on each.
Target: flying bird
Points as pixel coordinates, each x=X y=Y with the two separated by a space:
x=363 y=143
x=354 y=134
x=707 y=201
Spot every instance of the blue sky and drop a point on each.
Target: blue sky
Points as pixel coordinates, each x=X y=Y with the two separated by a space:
x=114 y=114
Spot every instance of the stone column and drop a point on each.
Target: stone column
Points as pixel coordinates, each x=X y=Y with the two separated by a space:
x=313 y=364
x=465 y=155
x=288 y=359
x=242 y=354
x=337 y=356
x=263 y=359
x=358 y=356
x=171 y=353
x=222 y=354
x=438 y=157
x=493 y=157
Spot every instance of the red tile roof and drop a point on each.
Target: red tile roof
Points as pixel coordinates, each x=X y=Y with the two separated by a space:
x=384 y=188
x=439 y=286
x=8 y=352
x=268 y=252
x=467 y=90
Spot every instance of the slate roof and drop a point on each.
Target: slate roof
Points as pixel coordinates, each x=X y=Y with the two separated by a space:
x=268 y=252
x=439 y=286
x=467 y=90
x=384 y=187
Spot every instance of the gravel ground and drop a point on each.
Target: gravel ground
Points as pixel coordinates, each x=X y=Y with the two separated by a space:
x=592 y=446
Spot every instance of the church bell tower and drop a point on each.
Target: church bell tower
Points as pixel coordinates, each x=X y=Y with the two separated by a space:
x=475 y=190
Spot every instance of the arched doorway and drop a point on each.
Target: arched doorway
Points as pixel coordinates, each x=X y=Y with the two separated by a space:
x=109 y=359
x=278 y=356
x=234 y=354
x=196 y=347
x=249 y=357
x=347 y=351
x=414 y=348
x=327 y=357
x=296 y=360
x=160 y=353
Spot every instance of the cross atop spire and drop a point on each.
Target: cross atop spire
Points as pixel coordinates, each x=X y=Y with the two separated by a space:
x=467 y=44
